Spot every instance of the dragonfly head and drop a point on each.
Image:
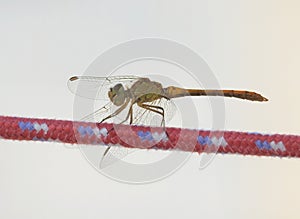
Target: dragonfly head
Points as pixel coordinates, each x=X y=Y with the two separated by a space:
x=117 y=94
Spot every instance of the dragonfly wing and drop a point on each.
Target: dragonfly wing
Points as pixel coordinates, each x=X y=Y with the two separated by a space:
x=99 y=114
x=97 y=87
x=114 y=155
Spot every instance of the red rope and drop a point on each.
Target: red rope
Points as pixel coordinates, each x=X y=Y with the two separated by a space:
x=18 y=128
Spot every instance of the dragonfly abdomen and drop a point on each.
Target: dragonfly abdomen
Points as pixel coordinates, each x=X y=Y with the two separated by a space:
x=173 y=92
x=247 y=95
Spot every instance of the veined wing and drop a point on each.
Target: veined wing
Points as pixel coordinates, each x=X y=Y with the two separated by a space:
x=114 y=155
x=92 y=87
x=99 y=114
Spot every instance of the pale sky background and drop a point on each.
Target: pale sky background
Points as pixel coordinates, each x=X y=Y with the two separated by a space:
x=248 y=45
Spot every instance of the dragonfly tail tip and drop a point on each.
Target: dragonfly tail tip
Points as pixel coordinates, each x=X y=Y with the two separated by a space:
x=265 y=99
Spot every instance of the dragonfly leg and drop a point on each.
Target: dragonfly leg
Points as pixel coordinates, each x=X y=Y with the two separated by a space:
x=155 y=110
x=117 y=112
x=129 y=114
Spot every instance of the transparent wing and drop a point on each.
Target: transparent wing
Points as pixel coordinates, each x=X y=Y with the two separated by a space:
x=97 y=87
x=99 y=114
x=114 y=155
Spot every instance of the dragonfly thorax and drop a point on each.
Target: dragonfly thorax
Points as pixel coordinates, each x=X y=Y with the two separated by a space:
x=117 y=94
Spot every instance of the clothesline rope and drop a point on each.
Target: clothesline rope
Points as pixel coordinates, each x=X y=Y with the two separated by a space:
x=227 y=142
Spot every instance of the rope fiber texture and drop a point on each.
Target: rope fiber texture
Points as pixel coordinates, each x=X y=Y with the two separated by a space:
x=231 y=142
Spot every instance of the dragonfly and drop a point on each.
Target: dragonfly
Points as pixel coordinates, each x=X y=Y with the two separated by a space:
x=125 y=92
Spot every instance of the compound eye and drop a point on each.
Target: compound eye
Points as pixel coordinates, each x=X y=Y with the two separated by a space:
x=118 y=87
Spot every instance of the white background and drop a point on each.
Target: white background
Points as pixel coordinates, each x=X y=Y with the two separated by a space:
x=248 y=44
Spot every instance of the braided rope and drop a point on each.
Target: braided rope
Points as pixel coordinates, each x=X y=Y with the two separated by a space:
x=18 y=128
